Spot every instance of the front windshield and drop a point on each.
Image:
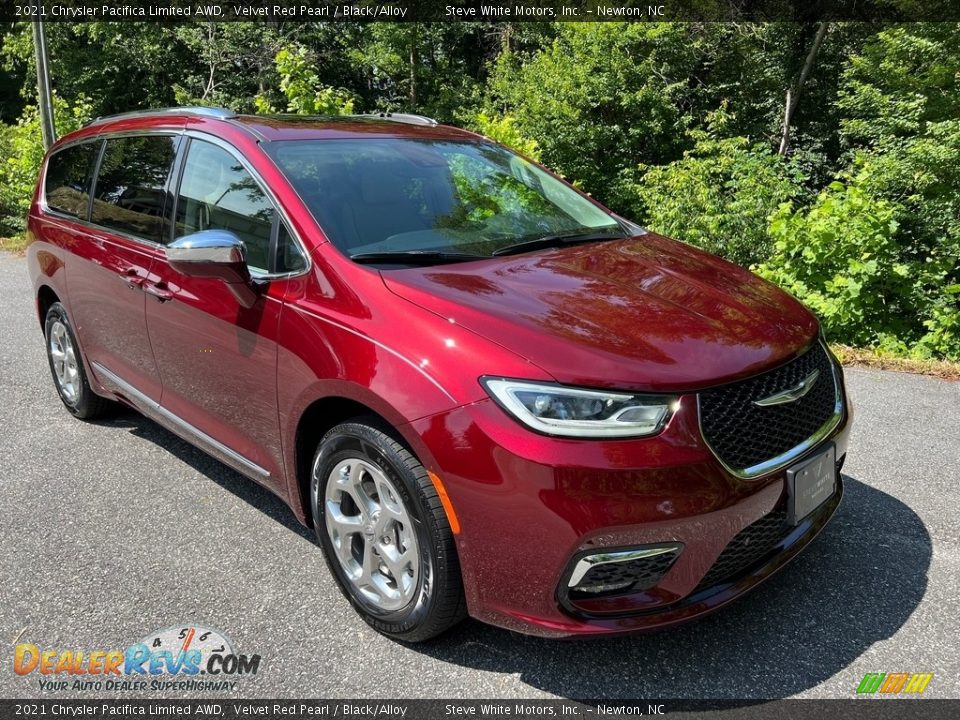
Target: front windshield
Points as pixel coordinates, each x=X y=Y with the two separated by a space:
x=390 y=195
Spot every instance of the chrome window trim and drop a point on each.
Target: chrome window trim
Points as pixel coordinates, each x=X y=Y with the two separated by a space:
x=107 y=137
x=191 y=133
x=786 y=458
x=265 y=187
x=42 y=180
x=601 y=558
x=179 y=422
x=100 y=138
x=87 y=228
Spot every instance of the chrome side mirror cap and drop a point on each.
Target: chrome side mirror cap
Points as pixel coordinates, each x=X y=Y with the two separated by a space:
x=215 y=254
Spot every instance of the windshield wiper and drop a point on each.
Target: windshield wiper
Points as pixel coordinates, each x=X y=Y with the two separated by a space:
x=548 y=241
x=414 y=257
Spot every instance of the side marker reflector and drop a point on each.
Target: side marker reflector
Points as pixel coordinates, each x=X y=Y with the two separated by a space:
x=445 y=501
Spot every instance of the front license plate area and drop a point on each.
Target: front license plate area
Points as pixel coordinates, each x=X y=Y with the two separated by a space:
x=810 y=484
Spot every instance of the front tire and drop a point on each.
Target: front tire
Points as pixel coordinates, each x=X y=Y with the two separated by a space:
x=384 y=532
x=66 y=366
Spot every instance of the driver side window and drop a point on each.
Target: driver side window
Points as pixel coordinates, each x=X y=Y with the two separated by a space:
x=216 y=192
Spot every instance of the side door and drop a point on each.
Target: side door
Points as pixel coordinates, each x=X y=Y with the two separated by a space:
x=218 y=359
x=112 y=259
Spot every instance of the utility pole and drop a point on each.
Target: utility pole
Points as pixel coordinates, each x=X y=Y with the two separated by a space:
x=44 y=96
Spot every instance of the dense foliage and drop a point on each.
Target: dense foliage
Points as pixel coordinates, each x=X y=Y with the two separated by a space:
x=679 y=127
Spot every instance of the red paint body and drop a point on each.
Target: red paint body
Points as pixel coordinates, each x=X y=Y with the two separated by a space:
x=641 y=314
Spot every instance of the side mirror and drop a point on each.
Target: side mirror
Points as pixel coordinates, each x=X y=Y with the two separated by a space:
x=217 y=254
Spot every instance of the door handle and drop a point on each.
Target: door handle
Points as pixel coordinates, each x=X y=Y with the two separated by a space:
x=158 y=291
x=132 y=278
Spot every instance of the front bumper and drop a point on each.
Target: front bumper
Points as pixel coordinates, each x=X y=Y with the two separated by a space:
x=530 y=505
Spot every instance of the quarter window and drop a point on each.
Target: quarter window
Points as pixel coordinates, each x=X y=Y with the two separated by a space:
x=289 y=257
x=216 y=192
x=67 y=185
x=131 y=187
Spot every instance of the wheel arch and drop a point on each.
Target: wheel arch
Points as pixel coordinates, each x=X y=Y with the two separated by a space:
x=318 y=418
x=46 y=296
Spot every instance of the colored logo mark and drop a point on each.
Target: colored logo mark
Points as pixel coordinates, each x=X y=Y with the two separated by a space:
x=894 y=683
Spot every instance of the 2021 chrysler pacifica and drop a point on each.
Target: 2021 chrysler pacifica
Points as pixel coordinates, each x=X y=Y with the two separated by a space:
x=486 y=393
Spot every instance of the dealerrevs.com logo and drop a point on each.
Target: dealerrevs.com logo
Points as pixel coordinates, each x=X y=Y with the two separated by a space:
x=178 y=658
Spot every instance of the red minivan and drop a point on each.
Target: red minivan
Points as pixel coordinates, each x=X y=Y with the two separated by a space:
x=488 y=394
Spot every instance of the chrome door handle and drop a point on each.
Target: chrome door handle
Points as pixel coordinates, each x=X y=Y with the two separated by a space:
x=158 y=291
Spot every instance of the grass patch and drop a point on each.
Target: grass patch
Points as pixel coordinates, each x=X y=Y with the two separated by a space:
x=15 y=244
x=867 y=357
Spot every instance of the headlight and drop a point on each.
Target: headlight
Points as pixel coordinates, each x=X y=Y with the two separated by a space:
x=559 y=410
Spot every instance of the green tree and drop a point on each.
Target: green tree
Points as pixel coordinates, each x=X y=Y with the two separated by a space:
x=117 y=66
x=21 y=150
x=301 y=87
x=900 y=105
x=230 y=62
x=430 y=68
x=842 y=258
x=905 y=77
x=721 y=194
x=878 y=254
x=504 y=130
x=601 y=98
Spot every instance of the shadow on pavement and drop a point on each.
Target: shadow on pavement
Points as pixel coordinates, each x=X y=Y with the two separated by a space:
x=242 y=487
x=855 y=585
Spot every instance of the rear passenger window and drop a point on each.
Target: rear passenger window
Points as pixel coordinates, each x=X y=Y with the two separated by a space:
x=67 y=185
x=131 y=185
x=216 y=192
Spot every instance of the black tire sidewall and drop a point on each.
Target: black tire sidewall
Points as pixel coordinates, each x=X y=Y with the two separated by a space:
x=58 y=313
x=352 y=440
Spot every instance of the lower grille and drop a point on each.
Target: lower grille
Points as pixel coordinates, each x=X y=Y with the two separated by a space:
x=747 y=548
x=624 y=577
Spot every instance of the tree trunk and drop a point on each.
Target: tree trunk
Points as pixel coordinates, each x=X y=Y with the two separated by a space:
x=414 y=62
x=793 y=94
x=212 y=61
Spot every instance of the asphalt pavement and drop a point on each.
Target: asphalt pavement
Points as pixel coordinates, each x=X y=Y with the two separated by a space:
x=111 y=530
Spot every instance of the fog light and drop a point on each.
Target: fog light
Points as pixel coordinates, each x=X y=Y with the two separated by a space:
x=604 y=587
x=622 y=571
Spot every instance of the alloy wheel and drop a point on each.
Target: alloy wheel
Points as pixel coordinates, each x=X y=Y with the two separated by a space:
x=64 y=358
x=372 y=534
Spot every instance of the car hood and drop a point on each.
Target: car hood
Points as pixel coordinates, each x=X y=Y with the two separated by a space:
x=645 y=313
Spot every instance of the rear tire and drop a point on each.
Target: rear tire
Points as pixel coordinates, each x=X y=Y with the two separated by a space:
x=66 y=367
x=384 y=532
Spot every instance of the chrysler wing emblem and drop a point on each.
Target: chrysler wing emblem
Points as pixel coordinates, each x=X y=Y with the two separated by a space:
x=790 y=394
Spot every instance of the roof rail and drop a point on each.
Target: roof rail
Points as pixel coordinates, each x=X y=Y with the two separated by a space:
x=407 y=118
x=196 y=110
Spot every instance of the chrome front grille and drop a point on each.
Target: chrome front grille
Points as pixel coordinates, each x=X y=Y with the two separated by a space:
x=754 y=426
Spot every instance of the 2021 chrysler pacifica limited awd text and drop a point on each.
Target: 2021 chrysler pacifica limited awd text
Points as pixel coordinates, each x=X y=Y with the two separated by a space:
x=486 y=393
